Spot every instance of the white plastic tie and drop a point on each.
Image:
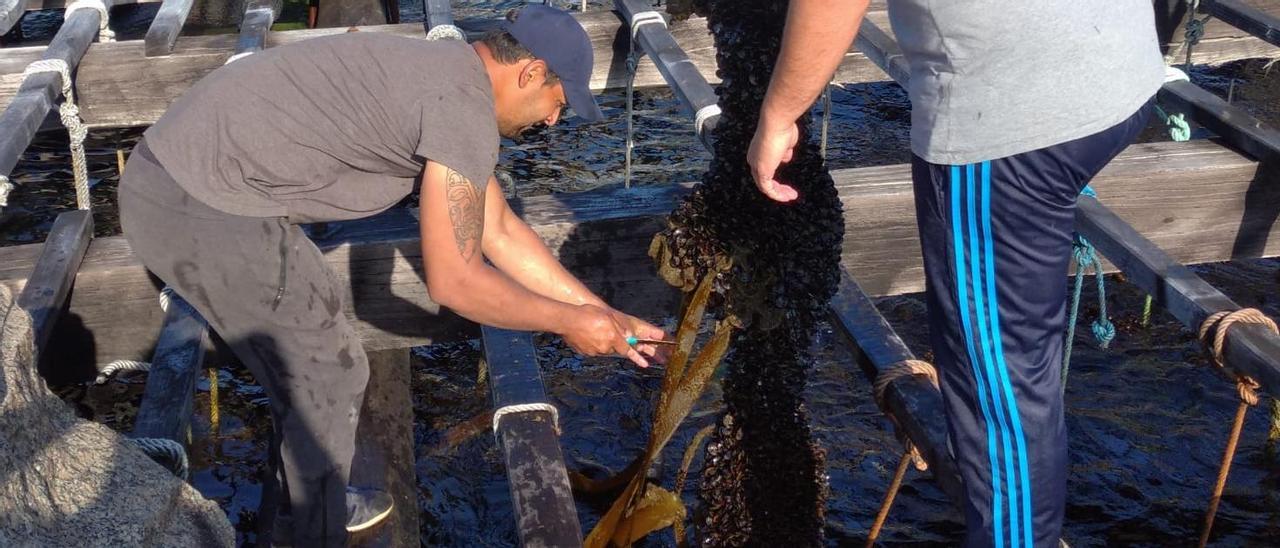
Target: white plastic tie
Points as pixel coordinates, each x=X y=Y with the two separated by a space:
x=704 y=114
x=104 y=16
x=1174 y=74
x=445 y=32
x=646 y=18
x=5 y=188
x=525 y=408
x=238 y=57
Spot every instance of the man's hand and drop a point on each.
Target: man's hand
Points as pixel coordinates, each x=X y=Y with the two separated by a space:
x=633 y=326
x=595 y=331
x=770 y=148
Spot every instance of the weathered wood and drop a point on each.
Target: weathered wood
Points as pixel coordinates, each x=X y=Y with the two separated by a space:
x=166 y=26
x=1233 y=124
x=59 y=4
x=1246 y=17
x=436 y=13
x=258 y=16
x=913 y=401
x=11 y=12
x=680 y=73
x=1251 y=349
x=166 y=406
x=37 y=94
x=384 y=457
x=1209 y=207
x=540 y=493
x=1221 y=41
x=50 y=283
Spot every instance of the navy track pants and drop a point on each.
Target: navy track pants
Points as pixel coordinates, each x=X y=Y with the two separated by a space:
x=997 y=237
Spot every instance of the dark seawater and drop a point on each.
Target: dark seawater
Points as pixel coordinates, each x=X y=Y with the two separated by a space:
x=1147 y=418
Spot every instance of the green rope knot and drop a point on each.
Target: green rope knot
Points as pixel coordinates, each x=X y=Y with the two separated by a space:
x=1179 y=129
x=1085 y=256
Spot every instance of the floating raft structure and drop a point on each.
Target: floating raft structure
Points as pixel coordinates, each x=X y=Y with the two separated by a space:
x=78 y=287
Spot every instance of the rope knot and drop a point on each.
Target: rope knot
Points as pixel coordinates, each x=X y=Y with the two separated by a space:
x=1194 y=31
x=1213 y=335
x=899 y=370
x=1103 y=331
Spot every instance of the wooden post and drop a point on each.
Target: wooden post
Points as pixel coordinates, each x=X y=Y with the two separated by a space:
x=166 y=407
x=1233 y=124
x=21 y=119
x=673 y=63
x=258 y=16
x=50 y=283
x=436 y=13
x=1245 y=17
x=384 y=457
x=913 y=401
x=11 y=12
x=166 y=27
x=540 y=493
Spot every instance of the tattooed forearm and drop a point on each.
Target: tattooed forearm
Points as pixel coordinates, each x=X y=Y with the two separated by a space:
x=466 y=212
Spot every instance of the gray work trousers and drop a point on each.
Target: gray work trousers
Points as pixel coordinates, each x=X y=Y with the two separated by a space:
x=265 y=289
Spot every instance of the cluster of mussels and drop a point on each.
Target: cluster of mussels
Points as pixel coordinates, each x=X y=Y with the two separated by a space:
x=764 y=477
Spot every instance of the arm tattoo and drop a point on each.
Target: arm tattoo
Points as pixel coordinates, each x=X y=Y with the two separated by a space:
x=466 y=212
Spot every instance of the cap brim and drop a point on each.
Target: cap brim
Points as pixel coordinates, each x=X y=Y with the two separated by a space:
x=583 y=103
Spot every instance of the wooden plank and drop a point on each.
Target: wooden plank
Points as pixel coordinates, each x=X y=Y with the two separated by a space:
x=436 y=13
x=37 y=94
x=1221 y=42
x=1212 y=205
x=1233 y=124
x=33 y=5
x=540 y=492
x=11 y=12
x=913 y=401
x=166 y=26
x=680 y=73
x=46 y=291
x=384 y=457
x=166 y=409
x=1246 y=17
x=1251 y=349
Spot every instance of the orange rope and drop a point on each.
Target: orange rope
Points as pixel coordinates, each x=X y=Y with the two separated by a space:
x=880 y=386
x=888 y=498
x=1219 y=324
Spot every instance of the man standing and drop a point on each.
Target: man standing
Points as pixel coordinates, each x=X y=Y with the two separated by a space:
x=1015 y=107
x=339 y=128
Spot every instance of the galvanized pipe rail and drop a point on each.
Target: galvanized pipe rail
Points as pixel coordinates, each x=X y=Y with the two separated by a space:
x=915 y=403
x=1251 y=349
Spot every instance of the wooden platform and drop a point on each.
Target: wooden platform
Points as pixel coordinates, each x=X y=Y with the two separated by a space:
x=1189 y=198
x=118 y=86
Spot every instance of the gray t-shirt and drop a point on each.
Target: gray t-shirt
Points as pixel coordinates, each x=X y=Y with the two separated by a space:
x=330 y=128
x=995 y=78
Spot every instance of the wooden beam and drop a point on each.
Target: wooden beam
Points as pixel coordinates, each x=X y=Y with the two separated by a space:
x=11 y=12
x=530 y=444
x=33 y=5
x=37 y=94
x=166 y=407
x=914 y=402
x=680 y=73
x=1233 y=124
x=384 y=457
x=46 y=291
x=258 y=16
x=1246 y=17
x=1211 y=206
x=1251 y=349
x=166 y=27
x=436 y=13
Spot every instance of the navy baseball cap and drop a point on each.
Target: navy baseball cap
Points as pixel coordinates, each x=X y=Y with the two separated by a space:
x=554 y=36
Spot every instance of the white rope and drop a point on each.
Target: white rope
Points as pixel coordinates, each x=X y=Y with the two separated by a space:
x=104 y=17
x=704 y=114
x=238 y=57
x=1174 y=74
x=445 y=32
x=165 y=448
x=646 y=18
x=525 y=408
x=70 y=115
x=166 y=296
x=5 y=188
x=120 y=365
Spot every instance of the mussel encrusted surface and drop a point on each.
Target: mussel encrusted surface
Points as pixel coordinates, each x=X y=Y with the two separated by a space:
x=764 y=477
